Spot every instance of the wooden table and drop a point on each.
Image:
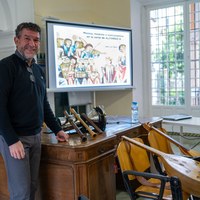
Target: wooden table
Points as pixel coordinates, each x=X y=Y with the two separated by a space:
x=72 y=168
x=193 y=122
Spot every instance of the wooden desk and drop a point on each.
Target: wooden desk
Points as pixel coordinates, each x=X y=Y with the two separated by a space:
x=70 y=169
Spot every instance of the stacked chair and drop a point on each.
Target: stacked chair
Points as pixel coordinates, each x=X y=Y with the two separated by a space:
x=159 y=139
x=139 y=181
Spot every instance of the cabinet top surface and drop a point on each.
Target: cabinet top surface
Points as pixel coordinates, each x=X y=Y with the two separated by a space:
x=115 y=126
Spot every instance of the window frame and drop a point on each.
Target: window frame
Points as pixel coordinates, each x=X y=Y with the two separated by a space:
x=155 y=110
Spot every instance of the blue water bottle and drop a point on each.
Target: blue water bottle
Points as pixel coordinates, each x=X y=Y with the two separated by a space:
x=134 y=112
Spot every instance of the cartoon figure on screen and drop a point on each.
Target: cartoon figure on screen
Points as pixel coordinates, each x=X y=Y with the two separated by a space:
x=70 y=75
x=109 y=70
x=92 y=73
x=122 y=56
x=122 y=63
x=66 y=47
x=71 y=72
x=87 y=52
x=65 y=68
x=93 y=78
x=60 y=51
x=77 y=47
x=80 y=74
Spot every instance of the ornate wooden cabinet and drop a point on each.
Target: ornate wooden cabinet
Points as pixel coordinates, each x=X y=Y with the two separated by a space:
x=72 y=168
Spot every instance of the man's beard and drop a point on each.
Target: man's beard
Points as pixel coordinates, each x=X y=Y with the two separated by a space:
x=28 y=56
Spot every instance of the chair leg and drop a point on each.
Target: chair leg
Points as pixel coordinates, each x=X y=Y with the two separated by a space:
x=193 y=198
x=176 y=188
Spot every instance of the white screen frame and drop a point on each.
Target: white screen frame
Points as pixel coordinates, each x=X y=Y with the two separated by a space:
x=106 y=40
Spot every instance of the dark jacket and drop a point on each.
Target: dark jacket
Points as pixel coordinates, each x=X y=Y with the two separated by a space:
x=23 y=103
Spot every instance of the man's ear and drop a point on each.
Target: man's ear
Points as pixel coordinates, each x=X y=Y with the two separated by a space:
x=16 y=39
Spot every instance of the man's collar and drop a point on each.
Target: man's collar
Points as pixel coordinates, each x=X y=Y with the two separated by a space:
x=22 y=57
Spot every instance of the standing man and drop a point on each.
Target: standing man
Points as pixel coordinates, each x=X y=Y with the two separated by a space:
x=23 y=109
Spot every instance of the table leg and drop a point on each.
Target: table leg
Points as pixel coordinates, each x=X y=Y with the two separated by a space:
x=181 y=134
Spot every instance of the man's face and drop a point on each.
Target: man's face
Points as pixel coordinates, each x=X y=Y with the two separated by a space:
x=28 y=43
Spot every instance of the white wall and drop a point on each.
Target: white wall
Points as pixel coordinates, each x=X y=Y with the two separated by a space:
x=137 y=56
x=12 y=12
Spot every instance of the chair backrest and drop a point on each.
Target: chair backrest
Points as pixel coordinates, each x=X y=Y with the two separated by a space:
x=135 y=164
x=159 y=139
x=159 y=142
x=132 y=157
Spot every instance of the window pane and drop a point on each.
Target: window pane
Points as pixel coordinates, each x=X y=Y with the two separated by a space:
x=194 y=12
x=167 y=56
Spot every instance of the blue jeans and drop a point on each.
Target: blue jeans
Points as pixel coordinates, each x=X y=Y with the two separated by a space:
x=23 y=174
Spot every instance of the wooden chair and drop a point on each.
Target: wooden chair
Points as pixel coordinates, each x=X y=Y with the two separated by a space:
x=159 y=139
x=138 y=180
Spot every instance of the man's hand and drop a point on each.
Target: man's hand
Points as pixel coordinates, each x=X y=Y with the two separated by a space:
x=17 y=150
x=62 y=136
